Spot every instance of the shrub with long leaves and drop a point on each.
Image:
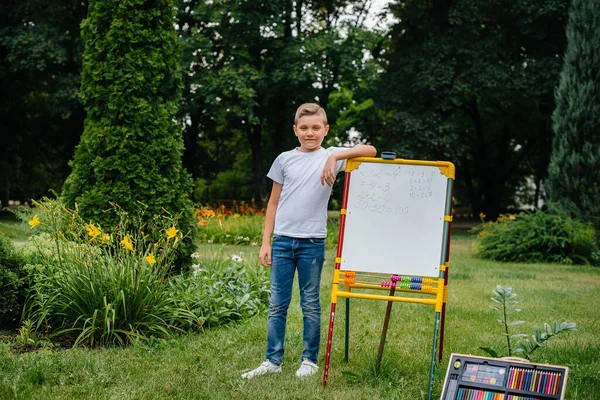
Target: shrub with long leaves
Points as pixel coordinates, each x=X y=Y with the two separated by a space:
x=101 y=287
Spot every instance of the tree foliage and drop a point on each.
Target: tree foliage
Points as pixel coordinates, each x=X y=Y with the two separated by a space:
x=574 y=174
x=40 y=113
x=130 y=151
x=249 y=66
x=472 y=81
x=468 y=81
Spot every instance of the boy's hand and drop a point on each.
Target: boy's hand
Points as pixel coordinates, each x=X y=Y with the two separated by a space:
x=264 y=256
x=328 y=174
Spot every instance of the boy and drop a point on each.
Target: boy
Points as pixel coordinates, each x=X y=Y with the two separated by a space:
x=297 y=217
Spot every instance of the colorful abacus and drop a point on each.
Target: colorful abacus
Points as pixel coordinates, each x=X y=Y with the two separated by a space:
x=349 y=277
x=415 y=283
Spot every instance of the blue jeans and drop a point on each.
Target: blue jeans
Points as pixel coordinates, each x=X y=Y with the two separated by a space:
x=307 y=256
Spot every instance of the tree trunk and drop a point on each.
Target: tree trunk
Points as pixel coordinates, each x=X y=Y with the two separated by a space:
x=254 y=135
x=190 y=139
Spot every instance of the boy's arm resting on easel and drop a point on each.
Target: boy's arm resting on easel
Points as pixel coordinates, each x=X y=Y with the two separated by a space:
x=361 y=150
x=264 y=256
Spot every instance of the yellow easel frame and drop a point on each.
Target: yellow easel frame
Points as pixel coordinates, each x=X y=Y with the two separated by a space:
x=441 y=289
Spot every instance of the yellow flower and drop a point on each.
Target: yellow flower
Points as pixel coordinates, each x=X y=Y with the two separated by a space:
x=105 y=238
x=92 y=230
x=126 y=242
x=236 y=215
x=34 y=222
x=151 y=260
x=171 y=232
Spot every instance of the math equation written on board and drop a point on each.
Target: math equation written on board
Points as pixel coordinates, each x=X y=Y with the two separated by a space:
x=389 y=191
x=420 y=184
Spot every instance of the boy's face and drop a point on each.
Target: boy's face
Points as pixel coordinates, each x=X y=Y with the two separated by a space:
x=311 y=130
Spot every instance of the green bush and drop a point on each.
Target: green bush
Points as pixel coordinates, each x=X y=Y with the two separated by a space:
x=221 y=290
x=539 y=237
x=12 y=284
x=131 y=149
x=100 y=286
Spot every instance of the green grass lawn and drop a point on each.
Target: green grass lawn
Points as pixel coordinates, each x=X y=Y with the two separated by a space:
x=13 y=228
x=208 y=365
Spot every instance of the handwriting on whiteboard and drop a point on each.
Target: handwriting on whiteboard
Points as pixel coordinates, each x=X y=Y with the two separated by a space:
x=420 y=184
x=387 y=190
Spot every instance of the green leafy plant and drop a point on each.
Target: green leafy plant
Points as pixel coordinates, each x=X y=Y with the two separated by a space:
x=220 y=290
x=539 y=237
x=101 y=286
x=27 y=334
x=505 y=298
x=527 y=346
x=12 y=283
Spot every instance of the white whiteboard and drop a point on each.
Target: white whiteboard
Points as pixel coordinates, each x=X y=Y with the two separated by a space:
x=395 y=219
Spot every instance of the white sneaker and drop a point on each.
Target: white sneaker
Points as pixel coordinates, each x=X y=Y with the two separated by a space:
x=266 y=367
x=307 y=368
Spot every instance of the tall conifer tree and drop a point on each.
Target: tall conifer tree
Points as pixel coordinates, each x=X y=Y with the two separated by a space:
x=574 y=173
x=131 y=147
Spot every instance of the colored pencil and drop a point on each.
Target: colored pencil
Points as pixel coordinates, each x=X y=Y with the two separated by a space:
x=549 y=382
x=544 y=382
x=557 y=385
x=520 y=383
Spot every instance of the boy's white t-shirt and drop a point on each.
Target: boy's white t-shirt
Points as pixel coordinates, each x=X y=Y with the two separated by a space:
x=302 y=208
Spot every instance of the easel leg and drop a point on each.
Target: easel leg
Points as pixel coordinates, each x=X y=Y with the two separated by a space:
x=329 y=340
x=386 y=323
x=443 y=326
x=433 y=348
x=347 y=338
x=442 y=333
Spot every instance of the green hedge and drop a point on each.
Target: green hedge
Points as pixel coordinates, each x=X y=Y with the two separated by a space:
x=539 y=237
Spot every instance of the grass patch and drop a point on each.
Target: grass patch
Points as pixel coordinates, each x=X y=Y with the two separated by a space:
x=208 y=365
x=13 y=228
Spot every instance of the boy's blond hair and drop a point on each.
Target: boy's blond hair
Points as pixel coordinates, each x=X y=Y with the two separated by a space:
x=310 y=109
